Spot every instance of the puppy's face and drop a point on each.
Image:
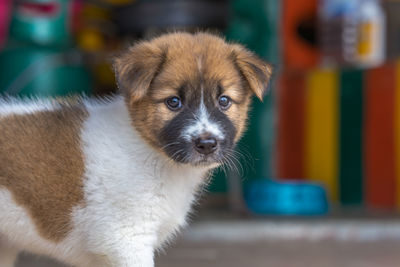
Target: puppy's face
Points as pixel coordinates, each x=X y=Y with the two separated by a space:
x=188 y=95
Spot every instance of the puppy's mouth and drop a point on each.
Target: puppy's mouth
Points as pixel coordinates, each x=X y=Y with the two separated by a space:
x=196 y=155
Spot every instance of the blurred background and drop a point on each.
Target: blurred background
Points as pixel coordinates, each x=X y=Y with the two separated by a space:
x=317 y=182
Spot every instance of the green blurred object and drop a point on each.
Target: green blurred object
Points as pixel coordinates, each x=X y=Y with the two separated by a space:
x=255 y=24
x=351 y=137
x=42 y=22
x=42 y=71
x=39 y=59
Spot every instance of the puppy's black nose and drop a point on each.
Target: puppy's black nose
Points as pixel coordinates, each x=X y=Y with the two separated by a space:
x=205 y=145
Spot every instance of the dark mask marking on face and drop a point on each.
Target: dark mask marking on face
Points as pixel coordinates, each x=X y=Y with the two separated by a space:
x=182 y=150
x=173 y=144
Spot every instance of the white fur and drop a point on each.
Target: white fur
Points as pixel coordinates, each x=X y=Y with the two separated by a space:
x=17 y=106
x=20 y=234
x=202 y=124
x=135 y=198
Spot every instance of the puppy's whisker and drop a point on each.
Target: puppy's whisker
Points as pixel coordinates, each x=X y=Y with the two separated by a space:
x=233 y=165
x=233 y=157
x=240 y=158
x=232 y=162
x=170 y=144
x=248 y=159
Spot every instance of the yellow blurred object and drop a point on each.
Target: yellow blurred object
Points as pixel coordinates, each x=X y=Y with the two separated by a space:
x=91 y=11
x=104 y=74
x=90 y=40
x=321 y=135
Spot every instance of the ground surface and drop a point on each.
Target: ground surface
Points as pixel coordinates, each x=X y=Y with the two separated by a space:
x=232 y=241
x=265 y=254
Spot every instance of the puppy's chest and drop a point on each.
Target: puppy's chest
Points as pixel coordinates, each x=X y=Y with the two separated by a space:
x=175 y=194
x=175 y=200
x=150 y=194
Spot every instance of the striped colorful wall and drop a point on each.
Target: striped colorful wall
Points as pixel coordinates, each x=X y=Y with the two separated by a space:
x=342 y=128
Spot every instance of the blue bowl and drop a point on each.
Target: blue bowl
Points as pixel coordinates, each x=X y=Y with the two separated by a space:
x=286 y=197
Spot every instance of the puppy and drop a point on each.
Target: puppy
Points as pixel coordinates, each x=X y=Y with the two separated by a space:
x=107 y=182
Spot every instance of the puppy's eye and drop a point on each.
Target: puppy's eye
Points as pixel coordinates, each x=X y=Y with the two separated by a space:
x=173 y=103
x=224 y=102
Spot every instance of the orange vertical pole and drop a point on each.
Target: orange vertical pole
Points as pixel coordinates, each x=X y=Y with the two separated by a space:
x=379 y=137
x=290 y=140
x=397 y=132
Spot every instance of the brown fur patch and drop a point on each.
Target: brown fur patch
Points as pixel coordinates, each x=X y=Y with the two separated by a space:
x=154 y=70
x=41 y=163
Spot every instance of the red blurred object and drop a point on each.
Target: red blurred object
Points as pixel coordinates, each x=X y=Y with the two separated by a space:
x=76 y=15
x=291 y=123
x=299 y=34
x=379 y=137
x=38 y=9
x=5 y=16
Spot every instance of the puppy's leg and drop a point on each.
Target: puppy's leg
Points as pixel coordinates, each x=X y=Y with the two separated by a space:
x=129 y=250
x=133 y=256
x=8 y=254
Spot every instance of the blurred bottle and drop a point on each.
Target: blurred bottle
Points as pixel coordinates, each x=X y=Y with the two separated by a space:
x=371 y=34
x=352 y=32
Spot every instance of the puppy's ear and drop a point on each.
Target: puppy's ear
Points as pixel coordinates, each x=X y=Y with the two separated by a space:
x=255 y=71
x=136 y=69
